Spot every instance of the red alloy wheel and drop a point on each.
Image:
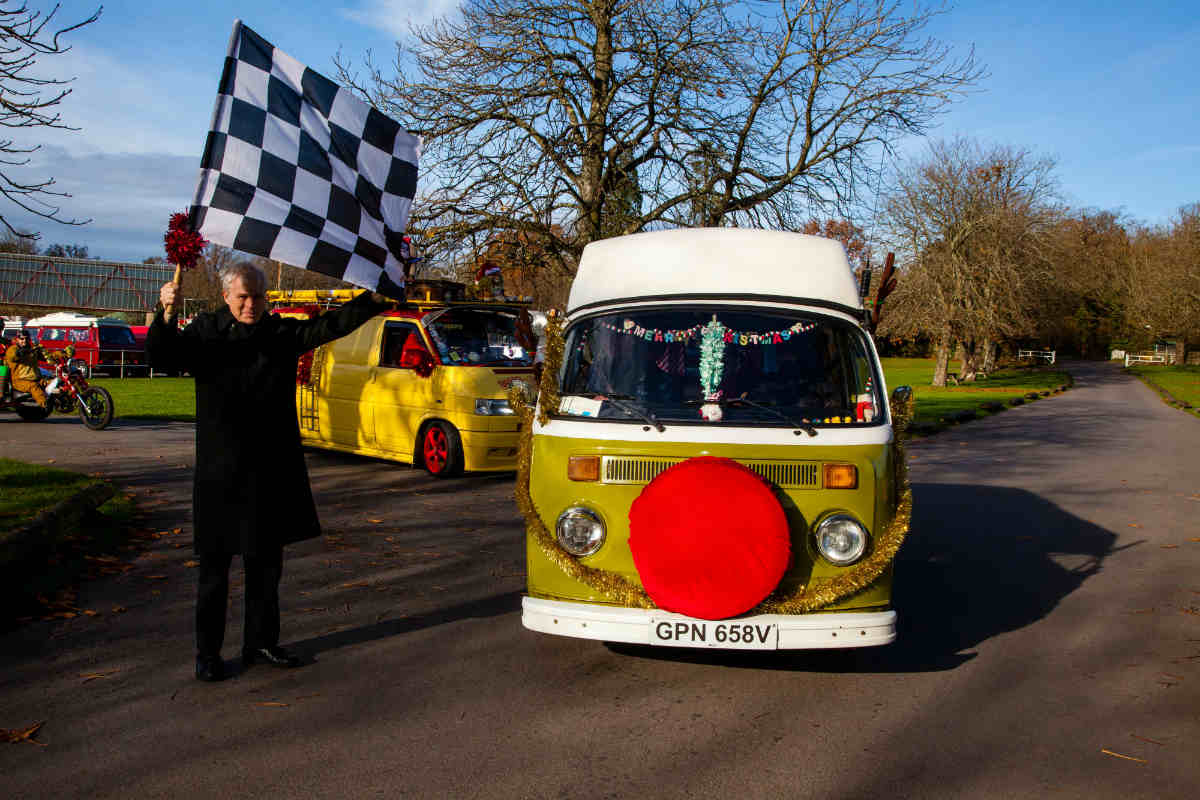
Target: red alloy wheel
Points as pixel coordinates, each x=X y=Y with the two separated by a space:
x=442 y=450
x=435 y=449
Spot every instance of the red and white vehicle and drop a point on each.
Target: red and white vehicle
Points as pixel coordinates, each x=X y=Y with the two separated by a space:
x=102 y=343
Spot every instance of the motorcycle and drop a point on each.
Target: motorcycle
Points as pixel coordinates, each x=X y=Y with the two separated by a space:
x=71 y=393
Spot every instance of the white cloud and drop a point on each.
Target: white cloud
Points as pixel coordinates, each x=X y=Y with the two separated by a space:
x=395 y=16
x=119 y=108
x=128 y=197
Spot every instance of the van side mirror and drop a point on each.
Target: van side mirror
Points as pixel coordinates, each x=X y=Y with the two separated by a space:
x=902 y=397
x=418 y=360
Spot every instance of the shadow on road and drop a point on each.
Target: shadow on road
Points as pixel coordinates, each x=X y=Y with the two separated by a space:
x=978 y=561
x=493 y=606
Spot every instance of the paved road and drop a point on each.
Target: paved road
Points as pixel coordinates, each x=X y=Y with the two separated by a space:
x=1049 y=597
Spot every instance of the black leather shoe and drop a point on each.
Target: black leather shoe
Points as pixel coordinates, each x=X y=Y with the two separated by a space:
x=210 y=668
x=275 y=656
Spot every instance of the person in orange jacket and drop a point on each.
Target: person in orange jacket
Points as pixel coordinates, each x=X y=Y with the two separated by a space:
x=22 y=358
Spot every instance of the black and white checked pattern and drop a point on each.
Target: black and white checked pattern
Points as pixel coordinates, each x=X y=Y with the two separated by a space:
x=300 y=170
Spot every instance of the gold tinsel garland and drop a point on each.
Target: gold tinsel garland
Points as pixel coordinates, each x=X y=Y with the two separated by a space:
x=548 y=390
x=617 y=589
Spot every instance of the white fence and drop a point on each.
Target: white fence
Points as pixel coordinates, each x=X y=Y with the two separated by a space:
x=1145 y=358
x=121 y=366
x=1047 y=355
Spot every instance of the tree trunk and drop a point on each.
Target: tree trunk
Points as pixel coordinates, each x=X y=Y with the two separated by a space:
x=988 y=362
x=943 y=362
x=970 y=361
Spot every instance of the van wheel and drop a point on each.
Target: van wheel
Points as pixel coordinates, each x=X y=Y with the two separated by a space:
x=441 y=450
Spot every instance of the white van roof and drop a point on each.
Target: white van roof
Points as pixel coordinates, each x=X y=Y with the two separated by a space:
x=71 y=319
x=715 y=263
x=65 y=318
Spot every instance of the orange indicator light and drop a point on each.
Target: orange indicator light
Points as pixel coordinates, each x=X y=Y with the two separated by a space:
x=583 y=468
x=841 y=476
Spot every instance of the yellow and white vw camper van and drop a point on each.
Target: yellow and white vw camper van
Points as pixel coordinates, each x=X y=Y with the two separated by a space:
x=713 y=460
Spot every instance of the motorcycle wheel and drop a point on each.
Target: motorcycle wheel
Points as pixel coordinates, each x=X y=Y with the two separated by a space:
x=96 y=407
x=31 y=412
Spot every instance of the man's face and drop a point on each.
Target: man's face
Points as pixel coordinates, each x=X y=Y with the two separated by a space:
x=247 y=303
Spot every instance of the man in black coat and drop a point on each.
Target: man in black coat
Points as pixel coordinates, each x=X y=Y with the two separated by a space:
x=251 y=494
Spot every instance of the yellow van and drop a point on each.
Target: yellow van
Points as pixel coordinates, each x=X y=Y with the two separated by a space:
x=713 y=460
x=425 y=384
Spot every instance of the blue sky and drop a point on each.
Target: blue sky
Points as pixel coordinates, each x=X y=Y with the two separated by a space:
x=1107 y=89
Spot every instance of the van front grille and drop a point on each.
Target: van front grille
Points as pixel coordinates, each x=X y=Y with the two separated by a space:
x=633 y=469
x=643 y=469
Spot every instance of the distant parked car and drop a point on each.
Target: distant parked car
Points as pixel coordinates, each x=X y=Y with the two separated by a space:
x=102 y=344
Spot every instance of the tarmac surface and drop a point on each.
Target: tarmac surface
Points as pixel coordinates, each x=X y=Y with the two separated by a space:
x=1049 y=598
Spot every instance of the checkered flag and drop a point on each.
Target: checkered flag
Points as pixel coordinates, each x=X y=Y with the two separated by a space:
x=300 y=170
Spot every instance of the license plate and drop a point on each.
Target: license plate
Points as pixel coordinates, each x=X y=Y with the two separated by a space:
x=730 y=634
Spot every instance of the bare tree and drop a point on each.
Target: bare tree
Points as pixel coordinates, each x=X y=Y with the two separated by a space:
x=975 y=224
x=30 y=101
x=18 y=242
x=574 y=120
x=1085 y=308
x=1164 y=279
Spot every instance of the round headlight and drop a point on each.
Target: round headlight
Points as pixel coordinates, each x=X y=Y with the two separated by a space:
x=580 y=531
x=841 y=540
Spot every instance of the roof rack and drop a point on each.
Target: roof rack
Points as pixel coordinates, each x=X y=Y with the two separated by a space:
x=421 y=294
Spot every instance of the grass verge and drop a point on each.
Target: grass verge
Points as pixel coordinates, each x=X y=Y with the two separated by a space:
x=168 y=399
x=938 y=408
x=37 y=578
x=30 y=488
x=1178 y=386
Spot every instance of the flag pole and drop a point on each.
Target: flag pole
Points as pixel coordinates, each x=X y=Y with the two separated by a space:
x=202 y=184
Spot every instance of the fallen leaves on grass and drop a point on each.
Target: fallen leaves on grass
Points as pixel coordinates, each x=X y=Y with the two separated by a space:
x=22 y=734
x=1108 y=752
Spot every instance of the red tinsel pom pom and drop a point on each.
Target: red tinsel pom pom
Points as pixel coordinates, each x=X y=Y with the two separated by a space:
x=708 y=538
x=183 y=244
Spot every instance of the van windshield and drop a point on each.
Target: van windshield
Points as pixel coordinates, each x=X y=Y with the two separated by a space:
x=479 y=337
x=723 y=366
x=115 y=336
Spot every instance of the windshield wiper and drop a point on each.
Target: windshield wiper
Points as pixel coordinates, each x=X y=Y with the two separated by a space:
x=636 y=409
x=802 y=426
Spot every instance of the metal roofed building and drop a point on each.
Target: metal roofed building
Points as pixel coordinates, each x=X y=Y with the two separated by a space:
x=51 y=282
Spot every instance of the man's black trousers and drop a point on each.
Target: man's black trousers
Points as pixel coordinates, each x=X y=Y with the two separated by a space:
x=260 y=598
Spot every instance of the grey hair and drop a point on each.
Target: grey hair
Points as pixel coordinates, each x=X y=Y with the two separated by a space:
x=247 y=271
